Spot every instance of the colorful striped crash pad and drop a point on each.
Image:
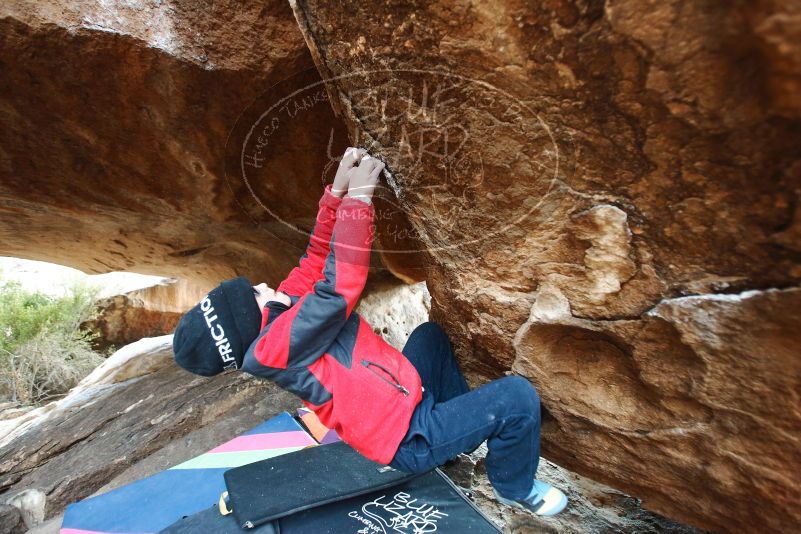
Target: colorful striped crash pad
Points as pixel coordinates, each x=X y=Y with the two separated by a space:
x=153 y=503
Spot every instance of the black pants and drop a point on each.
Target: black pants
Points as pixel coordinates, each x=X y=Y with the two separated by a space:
x=452 y=419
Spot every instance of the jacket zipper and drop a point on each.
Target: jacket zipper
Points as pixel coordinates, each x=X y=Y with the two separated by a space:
x=396 y=384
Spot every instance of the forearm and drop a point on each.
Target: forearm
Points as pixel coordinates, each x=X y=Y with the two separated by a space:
x=351 y=247
x=301 y=279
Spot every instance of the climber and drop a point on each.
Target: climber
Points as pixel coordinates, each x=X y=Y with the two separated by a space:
x=412 y=410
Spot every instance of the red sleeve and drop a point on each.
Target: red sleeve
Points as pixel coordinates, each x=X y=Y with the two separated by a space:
x=302 y=334
x=302 y=278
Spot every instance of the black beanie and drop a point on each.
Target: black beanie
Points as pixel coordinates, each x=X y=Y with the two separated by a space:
x=216 y=333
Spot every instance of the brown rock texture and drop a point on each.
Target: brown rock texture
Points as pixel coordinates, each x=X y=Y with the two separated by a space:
x=145 y=312
x=607 y=194
x=96 y=417
x=602 y=196
x=593 y=509
x=137 y=425
x=114 y=119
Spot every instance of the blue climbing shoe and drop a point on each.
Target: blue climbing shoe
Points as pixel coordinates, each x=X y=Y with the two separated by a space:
x=544 y=499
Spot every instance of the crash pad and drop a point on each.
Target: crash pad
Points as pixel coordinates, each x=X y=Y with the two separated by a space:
x=153 y=503
x=425 y=504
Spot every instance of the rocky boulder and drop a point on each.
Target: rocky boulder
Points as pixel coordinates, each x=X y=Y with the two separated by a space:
x=143 y=312
x=113 y=429
x=136 y=403
x=602 y=196
x=11 y=520
x=593 y=507
x=113 y=137
x=394 y=309
x=607 y=195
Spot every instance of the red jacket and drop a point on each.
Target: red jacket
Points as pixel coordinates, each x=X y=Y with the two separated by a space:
x=328 y=355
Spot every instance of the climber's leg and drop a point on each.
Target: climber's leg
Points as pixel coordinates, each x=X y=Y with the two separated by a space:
x=429 y=350
x=505 y=412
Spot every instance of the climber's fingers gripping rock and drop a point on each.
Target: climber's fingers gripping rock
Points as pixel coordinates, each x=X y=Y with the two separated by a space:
x=349 y=160
x=364 y=178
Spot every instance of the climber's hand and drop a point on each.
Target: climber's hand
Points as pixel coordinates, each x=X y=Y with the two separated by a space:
x=348 y=161
x=364 y=178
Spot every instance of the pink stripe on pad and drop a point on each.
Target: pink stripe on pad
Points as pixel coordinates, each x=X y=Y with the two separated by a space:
x=259 y=442
x=81 y=531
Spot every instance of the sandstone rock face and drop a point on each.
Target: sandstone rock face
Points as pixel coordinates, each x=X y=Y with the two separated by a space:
x=31 y=504
x=607 y=196
x=114 y=120
x=392 y=307
x=11 y=520
x=133 y=361
x=601 y=196
x=394 y=310
x=146 y=312
x=138 y=404
x=593 y=507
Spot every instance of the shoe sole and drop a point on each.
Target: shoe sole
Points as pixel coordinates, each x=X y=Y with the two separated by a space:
x=551 y=512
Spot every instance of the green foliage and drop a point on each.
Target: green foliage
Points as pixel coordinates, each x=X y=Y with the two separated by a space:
x=43 y=351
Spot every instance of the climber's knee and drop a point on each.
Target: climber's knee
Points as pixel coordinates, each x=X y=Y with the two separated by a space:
x=522 y=392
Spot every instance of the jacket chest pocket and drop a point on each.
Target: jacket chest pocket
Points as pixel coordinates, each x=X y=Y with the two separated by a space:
x=386 y=375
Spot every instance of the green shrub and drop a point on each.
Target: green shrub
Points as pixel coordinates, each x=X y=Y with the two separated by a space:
x=43 y=351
